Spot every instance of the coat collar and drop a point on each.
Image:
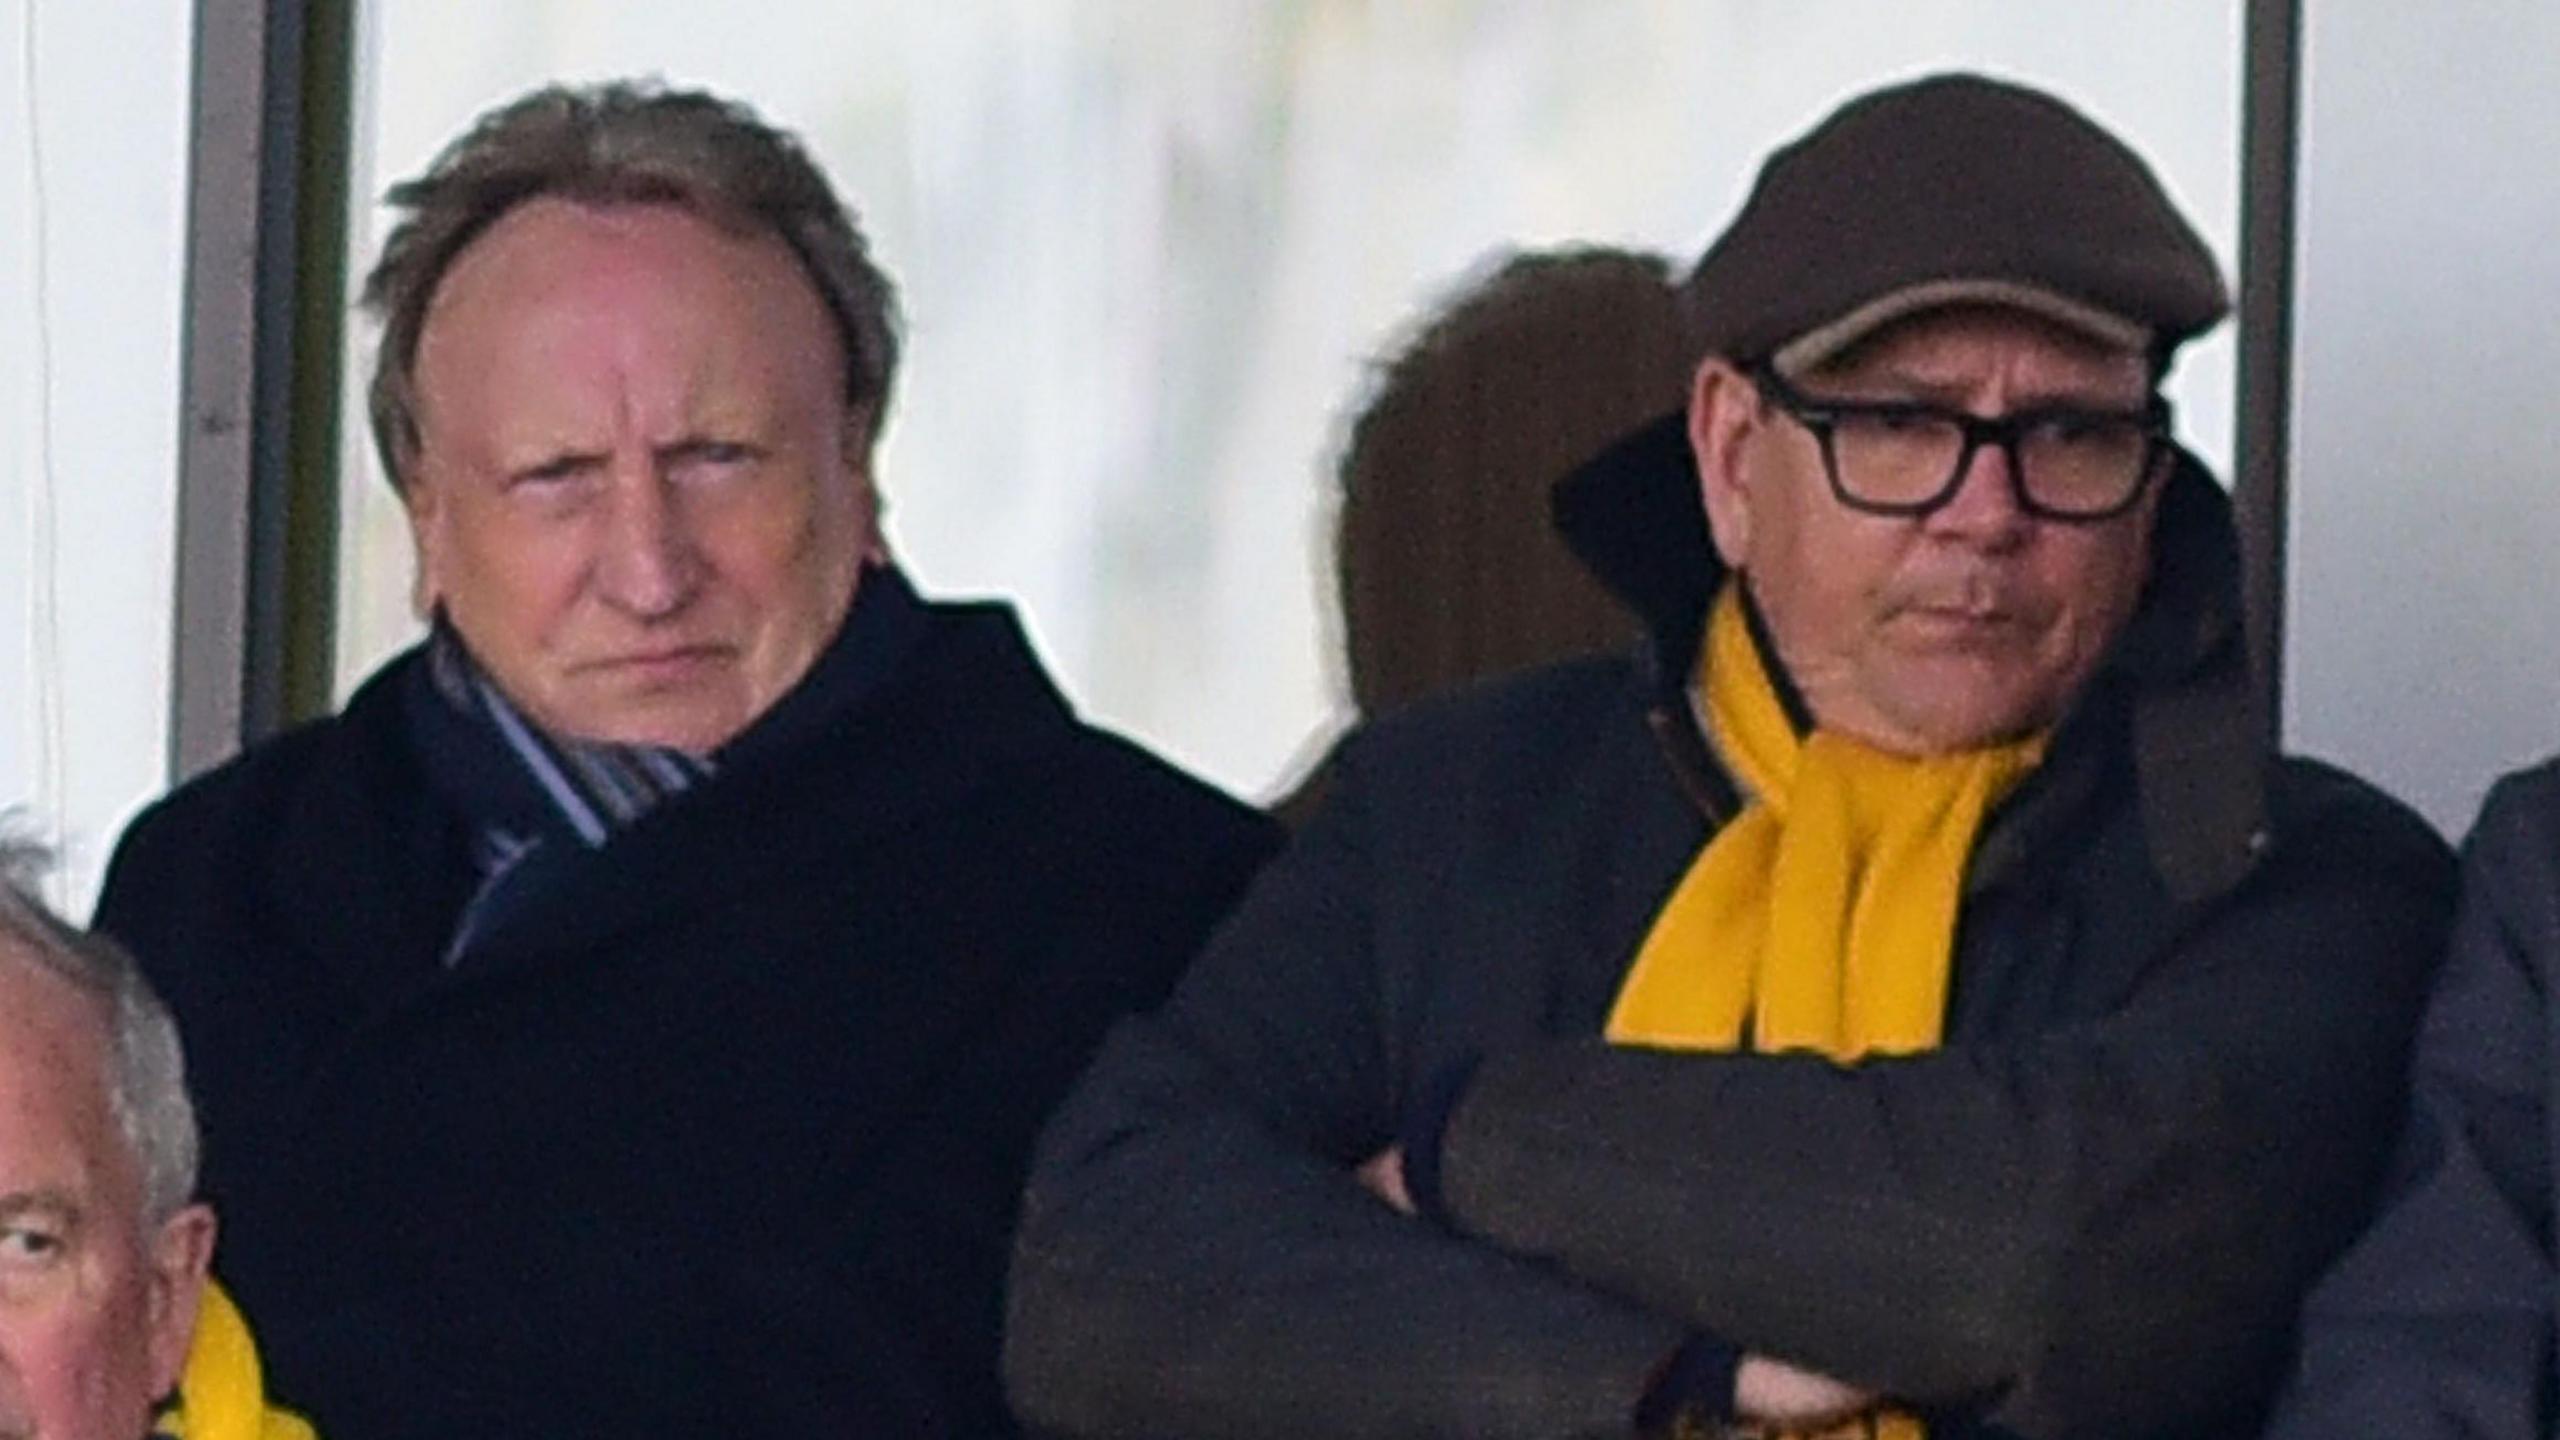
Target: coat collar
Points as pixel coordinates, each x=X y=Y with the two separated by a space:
x=1634 y=517
x=968 y=707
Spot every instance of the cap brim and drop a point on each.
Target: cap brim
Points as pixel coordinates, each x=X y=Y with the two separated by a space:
x=1829 y=341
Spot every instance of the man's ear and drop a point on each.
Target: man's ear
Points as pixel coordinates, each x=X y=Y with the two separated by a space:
x=857 y=444
x=424 y=500
x=180 y=1255
x=1724 y=411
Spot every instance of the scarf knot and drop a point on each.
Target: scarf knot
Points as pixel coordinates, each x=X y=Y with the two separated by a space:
x=1823 y=917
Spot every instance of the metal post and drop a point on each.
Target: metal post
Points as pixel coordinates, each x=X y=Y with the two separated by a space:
x=208 y=697
x=2270 y=116
x=260 y=258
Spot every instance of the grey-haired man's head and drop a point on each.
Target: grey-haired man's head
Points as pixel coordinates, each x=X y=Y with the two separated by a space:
x=634 y=359
x=102 y=1254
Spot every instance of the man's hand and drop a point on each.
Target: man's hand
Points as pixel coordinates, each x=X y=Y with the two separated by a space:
x=1383 y=1174
x=1773 y=1392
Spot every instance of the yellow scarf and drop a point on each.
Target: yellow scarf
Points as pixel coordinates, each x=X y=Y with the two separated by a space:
x=222 y=1394
x=1823 y=917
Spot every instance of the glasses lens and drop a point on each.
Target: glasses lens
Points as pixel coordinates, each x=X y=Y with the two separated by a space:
x=1895 y=457
x=2082 y=464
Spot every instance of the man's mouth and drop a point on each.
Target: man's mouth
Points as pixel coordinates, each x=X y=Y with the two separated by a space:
x=660 y=664
x=1964 y=615
x=1963 y=625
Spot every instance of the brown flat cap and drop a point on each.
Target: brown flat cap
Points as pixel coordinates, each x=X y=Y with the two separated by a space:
x=1950 y=190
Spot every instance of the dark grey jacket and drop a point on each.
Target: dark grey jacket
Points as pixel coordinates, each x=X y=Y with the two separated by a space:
x=2438 y=1323
x=2184 y=984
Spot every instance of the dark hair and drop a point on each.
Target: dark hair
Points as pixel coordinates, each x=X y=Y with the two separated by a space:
x=1449 y=567
x=622 y=143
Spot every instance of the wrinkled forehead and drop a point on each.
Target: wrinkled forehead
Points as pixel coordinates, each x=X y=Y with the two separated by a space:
x=1959 y=345
x=553 y=271
x=57 y=1123
x=553 y=240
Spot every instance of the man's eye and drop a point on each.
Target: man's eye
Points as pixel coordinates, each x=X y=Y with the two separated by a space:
x=711 y=459
x=28 y=1245
x=550 y=473
x=1896 y=425
x=2087 y=431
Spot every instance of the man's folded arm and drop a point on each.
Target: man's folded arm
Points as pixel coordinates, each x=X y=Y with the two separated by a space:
x=1197 y=1257
x=2101 y=1229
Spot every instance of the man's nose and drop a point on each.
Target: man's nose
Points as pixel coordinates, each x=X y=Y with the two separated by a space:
x=1986 y=508
x=650 y=567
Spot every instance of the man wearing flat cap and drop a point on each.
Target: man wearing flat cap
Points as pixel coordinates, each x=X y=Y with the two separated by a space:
x=1902 y=998
x=633 y=1013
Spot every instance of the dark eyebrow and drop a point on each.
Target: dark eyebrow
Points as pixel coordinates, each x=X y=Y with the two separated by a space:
x=1909 y=389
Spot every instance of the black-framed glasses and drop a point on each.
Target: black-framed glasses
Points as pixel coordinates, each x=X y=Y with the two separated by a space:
x=1906 y=458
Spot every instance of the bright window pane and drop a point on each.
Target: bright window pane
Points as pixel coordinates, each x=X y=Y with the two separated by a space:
x=1147 y=249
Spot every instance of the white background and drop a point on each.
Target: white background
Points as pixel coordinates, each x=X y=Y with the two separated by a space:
x=2423 y=636
x=1148 y=249
x=93 y=152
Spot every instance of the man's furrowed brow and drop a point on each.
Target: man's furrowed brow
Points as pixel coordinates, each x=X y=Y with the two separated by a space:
x=552 y=463
x=44 y=1201
x=1954 y=393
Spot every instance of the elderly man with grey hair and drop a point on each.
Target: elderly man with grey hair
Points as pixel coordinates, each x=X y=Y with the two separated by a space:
x=632 y=1013
x=109 y=1328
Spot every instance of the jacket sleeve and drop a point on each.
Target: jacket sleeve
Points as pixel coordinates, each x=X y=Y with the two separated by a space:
x=1196 y=1258
x=890 y=1329
x=866 y=1299
x=2102 y=1229
x=2437 y=1324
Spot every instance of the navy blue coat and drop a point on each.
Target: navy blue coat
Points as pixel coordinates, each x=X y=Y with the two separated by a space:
x=2438 y=1324
x=720 y=1135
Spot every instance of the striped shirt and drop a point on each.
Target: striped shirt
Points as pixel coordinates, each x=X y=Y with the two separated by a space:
x=593 y=790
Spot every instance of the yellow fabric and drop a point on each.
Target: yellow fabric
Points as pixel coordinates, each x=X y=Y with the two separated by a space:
x=1823 y=917
x=222 y=1392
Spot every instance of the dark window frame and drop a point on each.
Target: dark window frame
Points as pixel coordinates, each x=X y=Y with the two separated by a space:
x=255 y=588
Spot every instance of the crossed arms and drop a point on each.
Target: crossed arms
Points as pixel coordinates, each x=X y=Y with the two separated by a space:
x=2099 y=1228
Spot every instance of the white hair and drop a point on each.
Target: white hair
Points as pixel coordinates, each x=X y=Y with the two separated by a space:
x=147 y=1074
